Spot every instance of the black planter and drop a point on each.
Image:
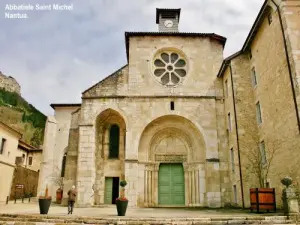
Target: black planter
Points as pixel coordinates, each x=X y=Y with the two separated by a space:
x=44 y=205
x=121 y=207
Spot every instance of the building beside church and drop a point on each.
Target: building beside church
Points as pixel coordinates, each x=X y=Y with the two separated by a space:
x=180 y=123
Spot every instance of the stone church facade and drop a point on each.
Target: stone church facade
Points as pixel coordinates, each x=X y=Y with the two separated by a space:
x=167 y=121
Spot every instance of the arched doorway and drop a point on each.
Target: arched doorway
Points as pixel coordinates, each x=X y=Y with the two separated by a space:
x=173 y=152
x=109 y=156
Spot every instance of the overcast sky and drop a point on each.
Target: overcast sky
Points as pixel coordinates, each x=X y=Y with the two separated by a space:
x=56 y=55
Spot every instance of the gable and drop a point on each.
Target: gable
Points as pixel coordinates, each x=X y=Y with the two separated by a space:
x=109 y=86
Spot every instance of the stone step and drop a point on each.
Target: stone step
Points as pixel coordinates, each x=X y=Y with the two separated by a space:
x=70 y=219
x=137 y=223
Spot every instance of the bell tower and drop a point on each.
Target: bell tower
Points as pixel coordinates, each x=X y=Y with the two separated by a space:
x=167 y=19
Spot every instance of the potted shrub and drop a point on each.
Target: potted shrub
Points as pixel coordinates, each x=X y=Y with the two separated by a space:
x=122 y=201
x=45 y=202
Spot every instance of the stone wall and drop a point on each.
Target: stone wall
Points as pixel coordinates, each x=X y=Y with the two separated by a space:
x=246 y=125
x=290 y=9
x=138 y=113
x=273 y=91
x=203 y=57
x=279 y=128
x=55 y=145
x=9 y=84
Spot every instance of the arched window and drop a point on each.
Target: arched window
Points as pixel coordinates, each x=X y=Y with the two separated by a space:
x=114 y=137
x=63 y=165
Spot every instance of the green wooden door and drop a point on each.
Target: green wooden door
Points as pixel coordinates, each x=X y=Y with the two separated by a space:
x=171 y=184
x=108 y=190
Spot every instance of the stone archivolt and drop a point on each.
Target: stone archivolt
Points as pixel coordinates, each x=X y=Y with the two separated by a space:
x=172 y=139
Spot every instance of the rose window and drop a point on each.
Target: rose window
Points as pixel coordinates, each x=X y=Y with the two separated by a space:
x=169 y=68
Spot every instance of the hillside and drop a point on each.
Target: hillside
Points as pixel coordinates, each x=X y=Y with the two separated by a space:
x=22 y=116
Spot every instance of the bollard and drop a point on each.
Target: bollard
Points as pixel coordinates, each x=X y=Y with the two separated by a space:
x=23 y=199
x=7 y=200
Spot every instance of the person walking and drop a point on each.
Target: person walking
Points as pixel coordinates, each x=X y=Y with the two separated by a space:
x=72 y=196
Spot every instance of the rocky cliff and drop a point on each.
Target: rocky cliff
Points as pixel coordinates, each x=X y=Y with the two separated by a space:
x=16 y=112
x=9 y=83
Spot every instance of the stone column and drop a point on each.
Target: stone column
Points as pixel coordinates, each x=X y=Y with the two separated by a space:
x=151 y=184
x=146 y=183
x=155 y=184
x=202 y=185
x=187 y=184
x=86 y=166
x=197 y=203
x=47 y=164
x=192 y=184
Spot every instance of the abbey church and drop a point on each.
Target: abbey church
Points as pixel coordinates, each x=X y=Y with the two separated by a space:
x=181 y=124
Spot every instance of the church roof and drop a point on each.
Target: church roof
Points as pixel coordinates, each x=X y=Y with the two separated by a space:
x=256 y=25
x=226 y=62
x=174 y=34
x=53 y=106
x=106 y=78
x=161 y=10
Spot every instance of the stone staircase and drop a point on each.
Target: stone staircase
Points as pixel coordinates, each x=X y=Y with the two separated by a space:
x=59 y=220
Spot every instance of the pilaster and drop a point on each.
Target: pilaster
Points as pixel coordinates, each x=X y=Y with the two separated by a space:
x=86 y=166
x=213 y=186
x=47 y=164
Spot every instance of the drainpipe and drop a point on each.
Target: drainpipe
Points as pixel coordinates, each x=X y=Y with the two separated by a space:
x=237 y=137
x=289 y=65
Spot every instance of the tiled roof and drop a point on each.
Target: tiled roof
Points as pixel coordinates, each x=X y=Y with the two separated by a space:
x=65 y=105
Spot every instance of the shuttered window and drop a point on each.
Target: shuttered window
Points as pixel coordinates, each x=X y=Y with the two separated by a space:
x=2 y=144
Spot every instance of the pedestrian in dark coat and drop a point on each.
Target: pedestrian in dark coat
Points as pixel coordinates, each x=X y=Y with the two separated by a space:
x=72 y=196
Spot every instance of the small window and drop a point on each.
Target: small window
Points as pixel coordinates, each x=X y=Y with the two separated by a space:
x=226 y=88
x=167 y=15
x=114 y=136
x=232 y=160
x=229 y=122
x=30 y=161
x=258 y=113
x=253 y=75
x=235 y=194
x=3 y=141
x=172 y=105
x=262 y=151
x=270 y=19
x=63 y=165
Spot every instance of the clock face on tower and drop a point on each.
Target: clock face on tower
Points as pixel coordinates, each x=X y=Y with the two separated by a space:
x=168 y=23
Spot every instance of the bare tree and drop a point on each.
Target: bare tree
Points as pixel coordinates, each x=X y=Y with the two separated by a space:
x=258 y=160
